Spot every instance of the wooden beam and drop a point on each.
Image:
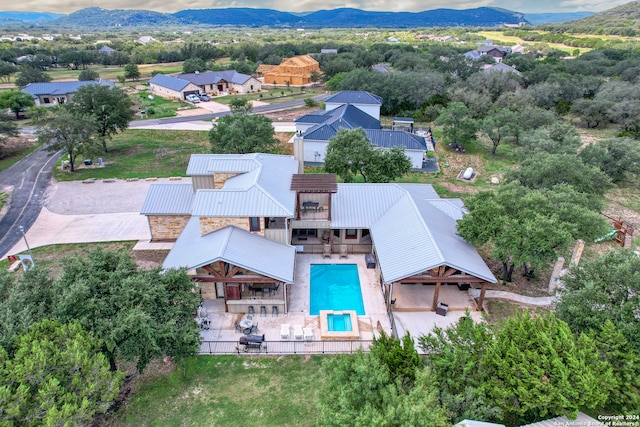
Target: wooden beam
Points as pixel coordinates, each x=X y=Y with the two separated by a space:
x=436 y=293
x=449 y=272
x=481 y=299
x=455 y=278
x=233 y=272
x=236 y=279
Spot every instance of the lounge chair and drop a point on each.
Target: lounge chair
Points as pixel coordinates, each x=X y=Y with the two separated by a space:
x=297 y=332
x=326 y=251
x=285 y=332
x=308 y=334
x=343 y=251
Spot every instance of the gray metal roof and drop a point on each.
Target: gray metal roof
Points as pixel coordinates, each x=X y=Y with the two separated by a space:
x=168 y=199
x=169 y=82
x=61 y=88
x=473 y=423
x=311 y=118
x=411 y=227
x=581 y=420
x=261 y=188
x=235 y=246
x=213 y=77
x=353 y=97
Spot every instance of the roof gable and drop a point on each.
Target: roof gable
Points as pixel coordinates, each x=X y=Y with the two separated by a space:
x=168 y=199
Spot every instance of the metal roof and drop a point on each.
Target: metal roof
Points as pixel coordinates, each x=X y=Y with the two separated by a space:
x=311 y=118
x=353 y=97
x=235 y=246
x=412 y=230
x=260 y=188
x=213 y=77
x=581 y=420
x=354 y=116
x=321 y=182
x=385 y=138
x=168 y=199
x=169 y=82
x=473 y=423
x=61 y=88
x=233 y=203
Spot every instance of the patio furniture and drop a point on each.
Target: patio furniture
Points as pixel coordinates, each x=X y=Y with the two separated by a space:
x=343 y=251
x=308 y=334
x=326 y=235
x=326 y=251
x=238 y=327
x=310 y=206
x=442 y=309
x=252 y=342
x=263 y=310
x=254 y=328
x=285 y=331
x=246 y=324
x=250 y=310
x=275 y=290
x=464 y=286
x=274 y=310
x=298 y=334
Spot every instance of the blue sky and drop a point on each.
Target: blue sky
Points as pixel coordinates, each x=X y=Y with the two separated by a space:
x=531 y=6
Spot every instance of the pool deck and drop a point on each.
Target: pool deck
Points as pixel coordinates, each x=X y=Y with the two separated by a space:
x=411 y=312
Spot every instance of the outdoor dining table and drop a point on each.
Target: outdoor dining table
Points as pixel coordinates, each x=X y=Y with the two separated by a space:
x=246 y=324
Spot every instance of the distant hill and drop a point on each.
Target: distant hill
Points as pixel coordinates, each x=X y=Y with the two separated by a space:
x=337 y=18
x=97 y=17
x=555 y=18
x=622 y=20
x=352 y=18
x=28 y=17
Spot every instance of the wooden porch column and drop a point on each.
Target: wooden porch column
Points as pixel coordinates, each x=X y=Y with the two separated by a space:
x=436 y=293
x=481 y=299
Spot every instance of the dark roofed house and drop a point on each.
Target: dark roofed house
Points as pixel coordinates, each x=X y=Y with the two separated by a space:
x=57 y=93
x=496 y=52
x=351 y=110
x=228 y=81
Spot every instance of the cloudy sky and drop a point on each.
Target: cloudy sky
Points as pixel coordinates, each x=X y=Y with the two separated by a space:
x=531 y=6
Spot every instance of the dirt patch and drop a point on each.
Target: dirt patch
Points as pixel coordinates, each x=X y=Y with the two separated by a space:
x=17 y=145
x=284 y=147
x=535 y=287
x=458 y=162
x=149 y=259
x=289 y=115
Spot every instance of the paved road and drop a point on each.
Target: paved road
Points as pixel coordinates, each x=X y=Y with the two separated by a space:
x=29 y=179
x=209 y=116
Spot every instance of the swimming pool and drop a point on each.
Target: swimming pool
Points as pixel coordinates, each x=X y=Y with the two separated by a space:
x=335 y=287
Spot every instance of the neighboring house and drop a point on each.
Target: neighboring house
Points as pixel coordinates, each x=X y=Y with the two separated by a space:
x=172 y=87
x=146 y=40
x=496 y=52
x=500 y=68
x=245 y=216
x=294 y=71
x=351 y=110
x=57 y=93
x=217 y=82
x=106 y=50
x=581 y=420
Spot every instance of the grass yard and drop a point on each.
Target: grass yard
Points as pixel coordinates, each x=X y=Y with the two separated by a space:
x=291 y=94
x=113 y=71
x=138 y=153
x=158 y=107
x=228 y=391
x=3 y=199
x=500 y=39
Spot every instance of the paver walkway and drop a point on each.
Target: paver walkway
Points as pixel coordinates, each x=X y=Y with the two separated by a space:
x=510 y=296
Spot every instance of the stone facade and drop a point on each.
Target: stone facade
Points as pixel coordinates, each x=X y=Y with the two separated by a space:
x=220 y=178
x=167 y=227
x=210 y=224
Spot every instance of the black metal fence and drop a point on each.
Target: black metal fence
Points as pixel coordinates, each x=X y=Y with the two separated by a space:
x=285 y=347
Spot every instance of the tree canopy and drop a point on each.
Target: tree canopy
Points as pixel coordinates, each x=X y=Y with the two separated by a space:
x=131 y=71
x=31 y=75
x=88 y=74
x=110 y=109
x=526 y=228
x=75 y=135
x=16 y=101
x=57 y=376
x=350 y=153
x=616 y=157
x=242 y=133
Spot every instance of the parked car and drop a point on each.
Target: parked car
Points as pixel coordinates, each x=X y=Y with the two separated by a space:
x=193 y=98
x=204 y=97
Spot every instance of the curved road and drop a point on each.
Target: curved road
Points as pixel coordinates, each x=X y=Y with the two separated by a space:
x=29 y=178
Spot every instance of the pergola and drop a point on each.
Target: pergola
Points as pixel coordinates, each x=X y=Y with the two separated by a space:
x=440 y=275
x=325 y=183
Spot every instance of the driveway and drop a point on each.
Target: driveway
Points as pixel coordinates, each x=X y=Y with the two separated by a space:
x=75 y=212
x=214 y=107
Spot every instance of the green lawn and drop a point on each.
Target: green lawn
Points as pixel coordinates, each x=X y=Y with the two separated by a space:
x=159 y=107
x=229 y=391
x=113 y=71
x=138 y=153
x=272 y=96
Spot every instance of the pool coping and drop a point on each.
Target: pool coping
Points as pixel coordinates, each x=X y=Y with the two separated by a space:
x=327 y=335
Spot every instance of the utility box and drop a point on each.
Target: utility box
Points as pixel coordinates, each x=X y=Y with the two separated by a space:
x=370 y=260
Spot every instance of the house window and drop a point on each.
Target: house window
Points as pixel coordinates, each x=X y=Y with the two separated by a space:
x=336 y=233
x=351 y=233
x=365 y=232
x=251 y=87
x=46 y=100
x=254 y=223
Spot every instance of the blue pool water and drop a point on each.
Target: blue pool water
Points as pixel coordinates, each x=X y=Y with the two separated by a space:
x=339 y=322
x=335 y=287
